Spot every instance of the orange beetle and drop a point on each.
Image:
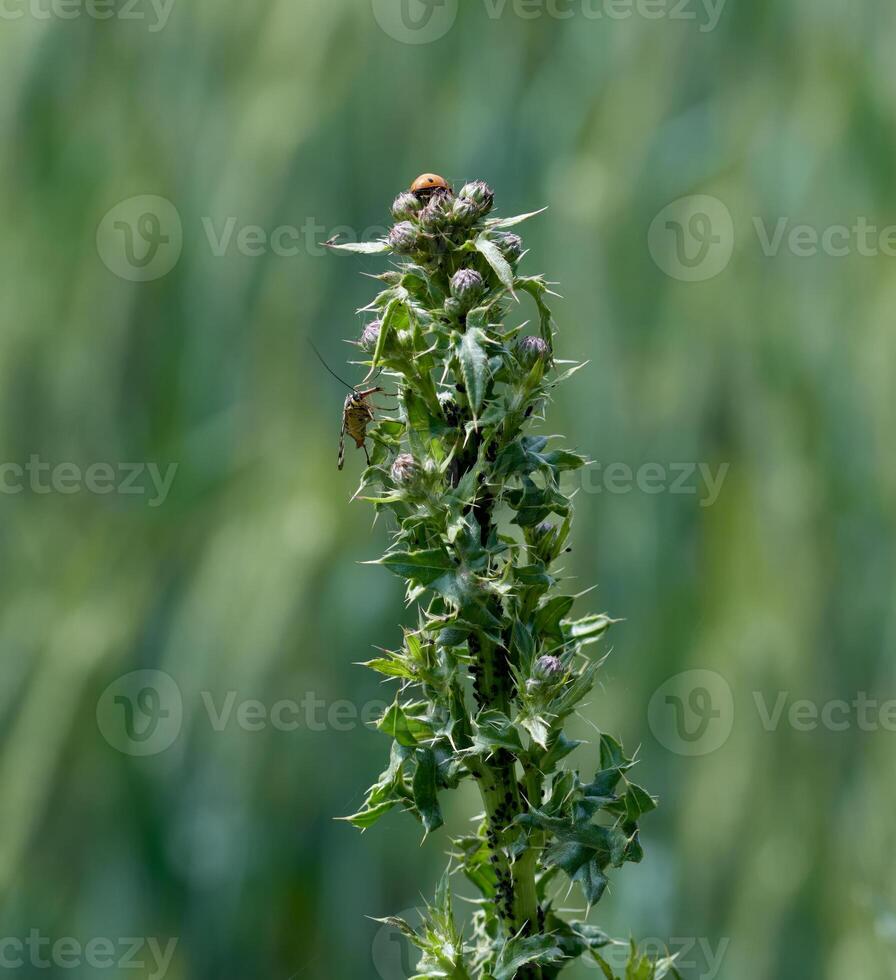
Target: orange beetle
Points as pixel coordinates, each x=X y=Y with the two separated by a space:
x=428 y=184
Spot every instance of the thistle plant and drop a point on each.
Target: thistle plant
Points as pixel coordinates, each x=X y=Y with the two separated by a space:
x=495 y=662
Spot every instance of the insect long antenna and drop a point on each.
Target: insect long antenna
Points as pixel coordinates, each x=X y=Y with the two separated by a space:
x=328 y=368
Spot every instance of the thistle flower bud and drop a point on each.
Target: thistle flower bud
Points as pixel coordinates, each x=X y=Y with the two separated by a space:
x=404 y=238
x=548 y=667
x=370 y=335
x=480 y=195
x=543 y=540
x=464 y=211
x=404 y=469
x=467 y=286
x=511 y=245
x=453 y=307
x=404 y=339
x=406 y=206
x=542 y=530
x=435 y=215
x=532 y=350
x=546 y=540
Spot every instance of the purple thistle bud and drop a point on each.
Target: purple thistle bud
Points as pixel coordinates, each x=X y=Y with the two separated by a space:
x=404 y=238
x=370 y=335
x=404 y=469
x=546 y=540
x=542 y=534
x=406 y=206
x=531 y=350
x=434 y=217
x=480 y=194
x=464 y=211
x=466 y=287
x=511 y=245
x=548 y=666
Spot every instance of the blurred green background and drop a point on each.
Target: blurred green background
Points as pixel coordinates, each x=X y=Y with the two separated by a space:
x=772 y=849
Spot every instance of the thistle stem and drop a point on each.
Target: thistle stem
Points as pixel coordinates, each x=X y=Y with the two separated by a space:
x=468 y=385
x=517 y=901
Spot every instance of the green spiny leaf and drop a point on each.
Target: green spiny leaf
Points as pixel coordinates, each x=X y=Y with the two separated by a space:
x=362 y=248
x=421 y=567
x=474 y=366
x=403 y=726
x=522 y=950
x=500 y=223
x=424 y=788
x=495 y=258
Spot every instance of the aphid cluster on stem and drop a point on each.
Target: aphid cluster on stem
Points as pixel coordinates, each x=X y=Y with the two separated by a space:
x=479 y=511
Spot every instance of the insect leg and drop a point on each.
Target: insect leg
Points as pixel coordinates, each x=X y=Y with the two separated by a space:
x=341 y=460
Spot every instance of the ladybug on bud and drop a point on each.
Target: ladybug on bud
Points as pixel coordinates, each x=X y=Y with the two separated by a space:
x=428 y=185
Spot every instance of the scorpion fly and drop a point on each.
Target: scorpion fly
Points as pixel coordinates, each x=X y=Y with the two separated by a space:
x=357 y=414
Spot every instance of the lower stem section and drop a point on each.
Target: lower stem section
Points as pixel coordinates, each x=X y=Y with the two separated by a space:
x=517 y=900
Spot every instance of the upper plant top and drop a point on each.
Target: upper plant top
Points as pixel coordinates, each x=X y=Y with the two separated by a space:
x=496 y=662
